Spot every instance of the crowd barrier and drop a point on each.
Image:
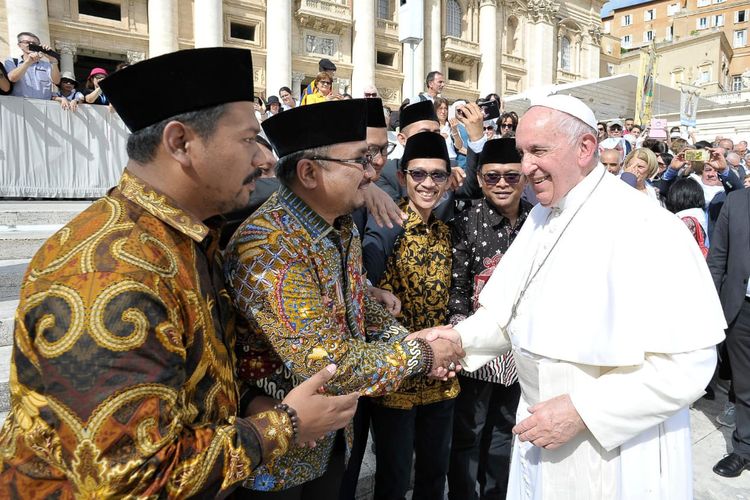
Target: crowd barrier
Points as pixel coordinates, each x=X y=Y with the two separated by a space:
x=47 y=152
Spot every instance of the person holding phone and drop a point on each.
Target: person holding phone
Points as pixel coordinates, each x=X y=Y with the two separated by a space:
x=34 y=73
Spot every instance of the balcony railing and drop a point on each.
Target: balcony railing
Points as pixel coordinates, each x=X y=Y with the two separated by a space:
x=729 y=97
x=460 y=51
x=387 y=26
x=514 y=61
x=324 y=15
x=47 y=152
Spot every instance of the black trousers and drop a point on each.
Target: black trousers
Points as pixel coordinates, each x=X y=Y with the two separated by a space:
x=325 y=487
x=424 y=431
x=482 y=440
x=361 y=426
x=738 y=348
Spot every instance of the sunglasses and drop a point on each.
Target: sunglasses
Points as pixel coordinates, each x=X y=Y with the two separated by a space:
x=371 y=94
x=492 y=178
x=324 y=82
x=420 y=176
x=506 y=125
x=489 y=128
x=363 y=162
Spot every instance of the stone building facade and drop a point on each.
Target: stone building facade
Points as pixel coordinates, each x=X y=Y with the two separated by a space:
x=481 y=46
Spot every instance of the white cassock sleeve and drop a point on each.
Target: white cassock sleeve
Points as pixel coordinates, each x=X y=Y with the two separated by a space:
x=626 y=401
x=482 y=339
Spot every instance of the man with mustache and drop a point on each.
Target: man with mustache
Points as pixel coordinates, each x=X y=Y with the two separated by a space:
x=605 y=384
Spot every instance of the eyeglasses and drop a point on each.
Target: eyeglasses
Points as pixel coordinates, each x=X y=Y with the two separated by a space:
x=615 y=128
x=363 y=162
x=371 y=94
x=324 y=82
x=492 y=178
x=383 y=151
x=506 y=125
x=419 y=176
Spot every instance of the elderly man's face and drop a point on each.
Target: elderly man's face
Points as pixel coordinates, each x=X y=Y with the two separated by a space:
x=610 y=158
x=550 y=162
x=615 y=131
x=741 y=148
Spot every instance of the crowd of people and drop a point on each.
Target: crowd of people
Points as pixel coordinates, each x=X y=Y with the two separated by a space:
x=35 y=74
x=273 y=282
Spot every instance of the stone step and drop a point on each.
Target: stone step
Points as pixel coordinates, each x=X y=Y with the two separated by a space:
x=7 y=313
x=11 y=277
x=22 y=242
x=16 y=213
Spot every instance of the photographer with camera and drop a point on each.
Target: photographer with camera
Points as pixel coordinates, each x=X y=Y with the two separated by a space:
x=36 y=71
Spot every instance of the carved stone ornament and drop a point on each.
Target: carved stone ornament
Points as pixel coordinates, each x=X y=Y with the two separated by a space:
x=134 y=56
x=543 y=10
x=389 y=94
x=66 y=47
x=595 y=32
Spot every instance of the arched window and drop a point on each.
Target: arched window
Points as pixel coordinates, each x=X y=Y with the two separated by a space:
x=384 y=9
x=453 y=19
x=511 y=28
x=565 y=53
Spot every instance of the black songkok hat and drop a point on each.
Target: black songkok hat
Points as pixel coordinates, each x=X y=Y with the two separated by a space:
x=423 y=110
x=140 y=103
x=425 y=145
x=499 y=151
x=375 y=115
x=315 y=125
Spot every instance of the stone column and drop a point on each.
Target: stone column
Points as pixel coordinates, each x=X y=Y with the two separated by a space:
x=162 y=27
x=67 y=52
x=540 y=40
x=26 y=15
x=363 y=46
x=208 y=23
x=594 y=40
x=279 y=46
x=297 y=79
x=488 y=35
x=434 y=36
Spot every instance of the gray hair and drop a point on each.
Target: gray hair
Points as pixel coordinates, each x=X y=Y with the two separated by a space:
x=143 y=143
x=286 y=167
x=574 y=129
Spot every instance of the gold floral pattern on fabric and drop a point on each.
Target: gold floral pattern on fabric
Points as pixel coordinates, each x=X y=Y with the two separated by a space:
x=122 y=377
x=418 y=272
x=298 y=282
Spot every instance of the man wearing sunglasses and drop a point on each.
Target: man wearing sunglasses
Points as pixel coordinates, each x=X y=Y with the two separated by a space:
x=419 y=416
x=294 y=271
x=489 y=396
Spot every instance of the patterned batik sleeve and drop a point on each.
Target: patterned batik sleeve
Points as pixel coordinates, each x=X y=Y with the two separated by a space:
x=100 y=392
x=284 y=299
x=381 y=326
x=459 y=302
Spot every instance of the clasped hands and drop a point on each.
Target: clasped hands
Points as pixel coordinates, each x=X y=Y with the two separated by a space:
x=446 y=349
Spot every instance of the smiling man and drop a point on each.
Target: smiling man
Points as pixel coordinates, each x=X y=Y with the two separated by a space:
x=605 y=383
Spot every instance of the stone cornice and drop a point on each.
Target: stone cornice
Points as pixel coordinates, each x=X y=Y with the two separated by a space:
x=542 y=10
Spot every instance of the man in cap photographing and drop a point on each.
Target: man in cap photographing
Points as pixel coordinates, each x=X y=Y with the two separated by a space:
x=605 y=390
x=122 y=378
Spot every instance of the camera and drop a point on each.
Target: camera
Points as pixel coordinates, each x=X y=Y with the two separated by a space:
x=490 y=110
x=33 y=47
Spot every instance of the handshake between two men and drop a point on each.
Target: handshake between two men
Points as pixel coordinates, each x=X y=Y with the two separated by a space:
x=447 y=352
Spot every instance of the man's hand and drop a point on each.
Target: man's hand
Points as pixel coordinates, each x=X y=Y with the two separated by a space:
x=717 y=161
x=384 y=210
x=391 y=303
x=319 y=414
x=552 y=423
x=472 y=117
x=446 y=349
x=456 y=179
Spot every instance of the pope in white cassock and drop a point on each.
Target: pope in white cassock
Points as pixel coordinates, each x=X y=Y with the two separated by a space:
x=608 y=364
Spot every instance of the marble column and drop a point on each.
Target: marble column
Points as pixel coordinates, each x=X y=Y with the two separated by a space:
x=279 y=46
x=488 y=35
x=434 y=40
x=363 y=46
x=208 y=23
x=162 y=27
x=540 y=40
x=67 y=52
x=297 y=79
x=26 y=15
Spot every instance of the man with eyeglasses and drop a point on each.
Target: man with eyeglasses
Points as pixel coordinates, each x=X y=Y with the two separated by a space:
x=486 y=407
x=294 y=271
x=418 y=417
x=35 y=72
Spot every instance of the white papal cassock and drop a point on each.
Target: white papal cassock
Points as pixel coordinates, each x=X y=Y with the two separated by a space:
x=624 y=317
